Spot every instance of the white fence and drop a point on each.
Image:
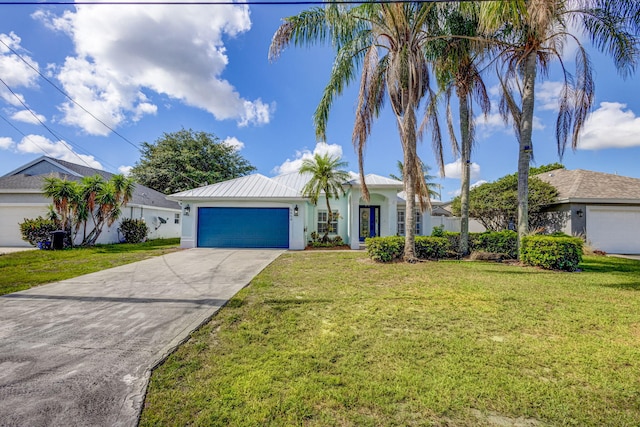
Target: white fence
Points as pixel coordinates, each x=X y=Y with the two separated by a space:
x=451 y=224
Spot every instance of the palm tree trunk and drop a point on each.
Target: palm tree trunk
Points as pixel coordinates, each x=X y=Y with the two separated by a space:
x=410 y=154
x=465 y=159
x=526 y=145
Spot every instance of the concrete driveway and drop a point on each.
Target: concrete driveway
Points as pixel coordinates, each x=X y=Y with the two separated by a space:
x=79 y=352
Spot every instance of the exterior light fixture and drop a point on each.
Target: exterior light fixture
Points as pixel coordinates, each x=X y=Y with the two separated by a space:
x=187 y=210
x=580 y=213
x=296 y=211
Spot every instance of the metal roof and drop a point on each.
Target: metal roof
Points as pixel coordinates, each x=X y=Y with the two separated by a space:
x=579 y=184
x=374 y=180
x=254 y=186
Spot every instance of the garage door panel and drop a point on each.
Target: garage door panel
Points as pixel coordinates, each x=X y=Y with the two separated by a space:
x=243 y=227
x=10 y=219
x=614 y=230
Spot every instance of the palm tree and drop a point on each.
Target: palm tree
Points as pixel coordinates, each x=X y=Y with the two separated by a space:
x=532 y=35
x=432 y=187
x=65 y=195
x=326 y=177
x=456 y=60
x=386 y=42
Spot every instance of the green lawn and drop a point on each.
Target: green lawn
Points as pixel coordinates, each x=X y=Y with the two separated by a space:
x=23 y=270
x=332 y=339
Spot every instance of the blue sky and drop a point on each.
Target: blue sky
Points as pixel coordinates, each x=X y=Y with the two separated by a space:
x=149 y=69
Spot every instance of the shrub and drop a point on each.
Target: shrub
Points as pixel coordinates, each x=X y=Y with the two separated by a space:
x=429 y=247
x=37 y=231
x=438 y=231
x=385 y=249
x=553 y=253
x=134 y=230
x=497 y=242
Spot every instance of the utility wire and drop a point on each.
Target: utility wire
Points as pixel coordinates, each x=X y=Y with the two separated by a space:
x=67 y=96
x=58 y=137
x=25 y=135
x=228 y=3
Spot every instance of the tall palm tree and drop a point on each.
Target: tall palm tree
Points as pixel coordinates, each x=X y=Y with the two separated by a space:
x=386 y=42
x=326 y=177
x=533 y=33
x=456 y=60
x=432 y=188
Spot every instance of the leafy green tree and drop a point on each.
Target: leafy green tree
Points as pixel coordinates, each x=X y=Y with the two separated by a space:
x=188 y=159
x=495 y=204
x=531 y=35
x=326 y=177
x=89 y=204
x=386 y=42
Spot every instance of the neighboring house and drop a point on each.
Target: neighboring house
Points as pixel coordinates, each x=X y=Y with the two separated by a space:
x=604 y=208
x=257 y=211
x=21 y=197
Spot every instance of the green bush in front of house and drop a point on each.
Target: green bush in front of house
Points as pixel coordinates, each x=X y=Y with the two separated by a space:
x=134 y=230
x=497 y=242
x=387 y=249
x=552 y=252
x=429 y=247
x=37 y=231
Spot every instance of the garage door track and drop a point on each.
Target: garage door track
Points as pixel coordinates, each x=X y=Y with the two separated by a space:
x=79 y=352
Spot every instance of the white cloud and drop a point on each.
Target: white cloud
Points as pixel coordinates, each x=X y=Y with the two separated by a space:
x=125 y=170
x=26 y=117
x=15 y=73
x=454 y=170
x=333 y=150
x=457 y=192
x=59 y=149
x=547 y=94
x=610 y=126
x=6 y=143
x=122 y=50
x=234 y=143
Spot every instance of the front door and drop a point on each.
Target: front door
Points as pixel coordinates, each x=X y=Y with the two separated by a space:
x=369 y=222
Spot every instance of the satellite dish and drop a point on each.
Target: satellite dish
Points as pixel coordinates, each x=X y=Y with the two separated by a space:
x=162 y=220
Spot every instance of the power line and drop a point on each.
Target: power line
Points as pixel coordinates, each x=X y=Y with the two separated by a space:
x=225 y=3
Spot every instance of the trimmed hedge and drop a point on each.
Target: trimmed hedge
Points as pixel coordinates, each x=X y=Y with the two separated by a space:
x=387 y=249
x=552 y=253
x=497 y=242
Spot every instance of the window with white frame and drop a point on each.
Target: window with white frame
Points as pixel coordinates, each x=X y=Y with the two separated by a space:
x=402 y=222
x=322 y=222
x=176 y=219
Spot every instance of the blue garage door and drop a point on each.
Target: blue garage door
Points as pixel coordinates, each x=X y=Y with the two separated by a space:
x=243 y=227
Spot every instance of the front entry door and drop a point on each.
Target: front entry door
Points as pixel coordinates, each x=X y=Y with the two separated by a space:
x=369 y=222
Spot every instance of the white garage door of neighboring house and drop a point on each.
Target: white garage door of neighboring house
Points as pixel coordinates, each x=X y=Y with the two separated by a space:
x=614 y=230
x=11 y=217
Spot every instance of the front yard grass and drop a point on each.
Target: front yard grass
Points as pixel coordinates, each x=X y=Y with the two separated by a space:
x=23 y=270
x=333 y=339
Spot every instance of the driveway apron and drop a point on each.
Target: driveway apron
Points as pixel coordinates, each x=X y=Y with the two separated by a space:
x=80 y=352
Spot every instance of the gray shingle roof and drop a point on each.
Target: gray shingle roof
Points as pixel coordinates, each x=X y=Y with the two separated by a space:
x=15 y=181
x=581 y=184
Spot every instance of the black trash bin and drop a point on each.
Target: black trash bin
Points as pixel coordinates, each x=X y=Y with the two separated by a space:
x=57 y=239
